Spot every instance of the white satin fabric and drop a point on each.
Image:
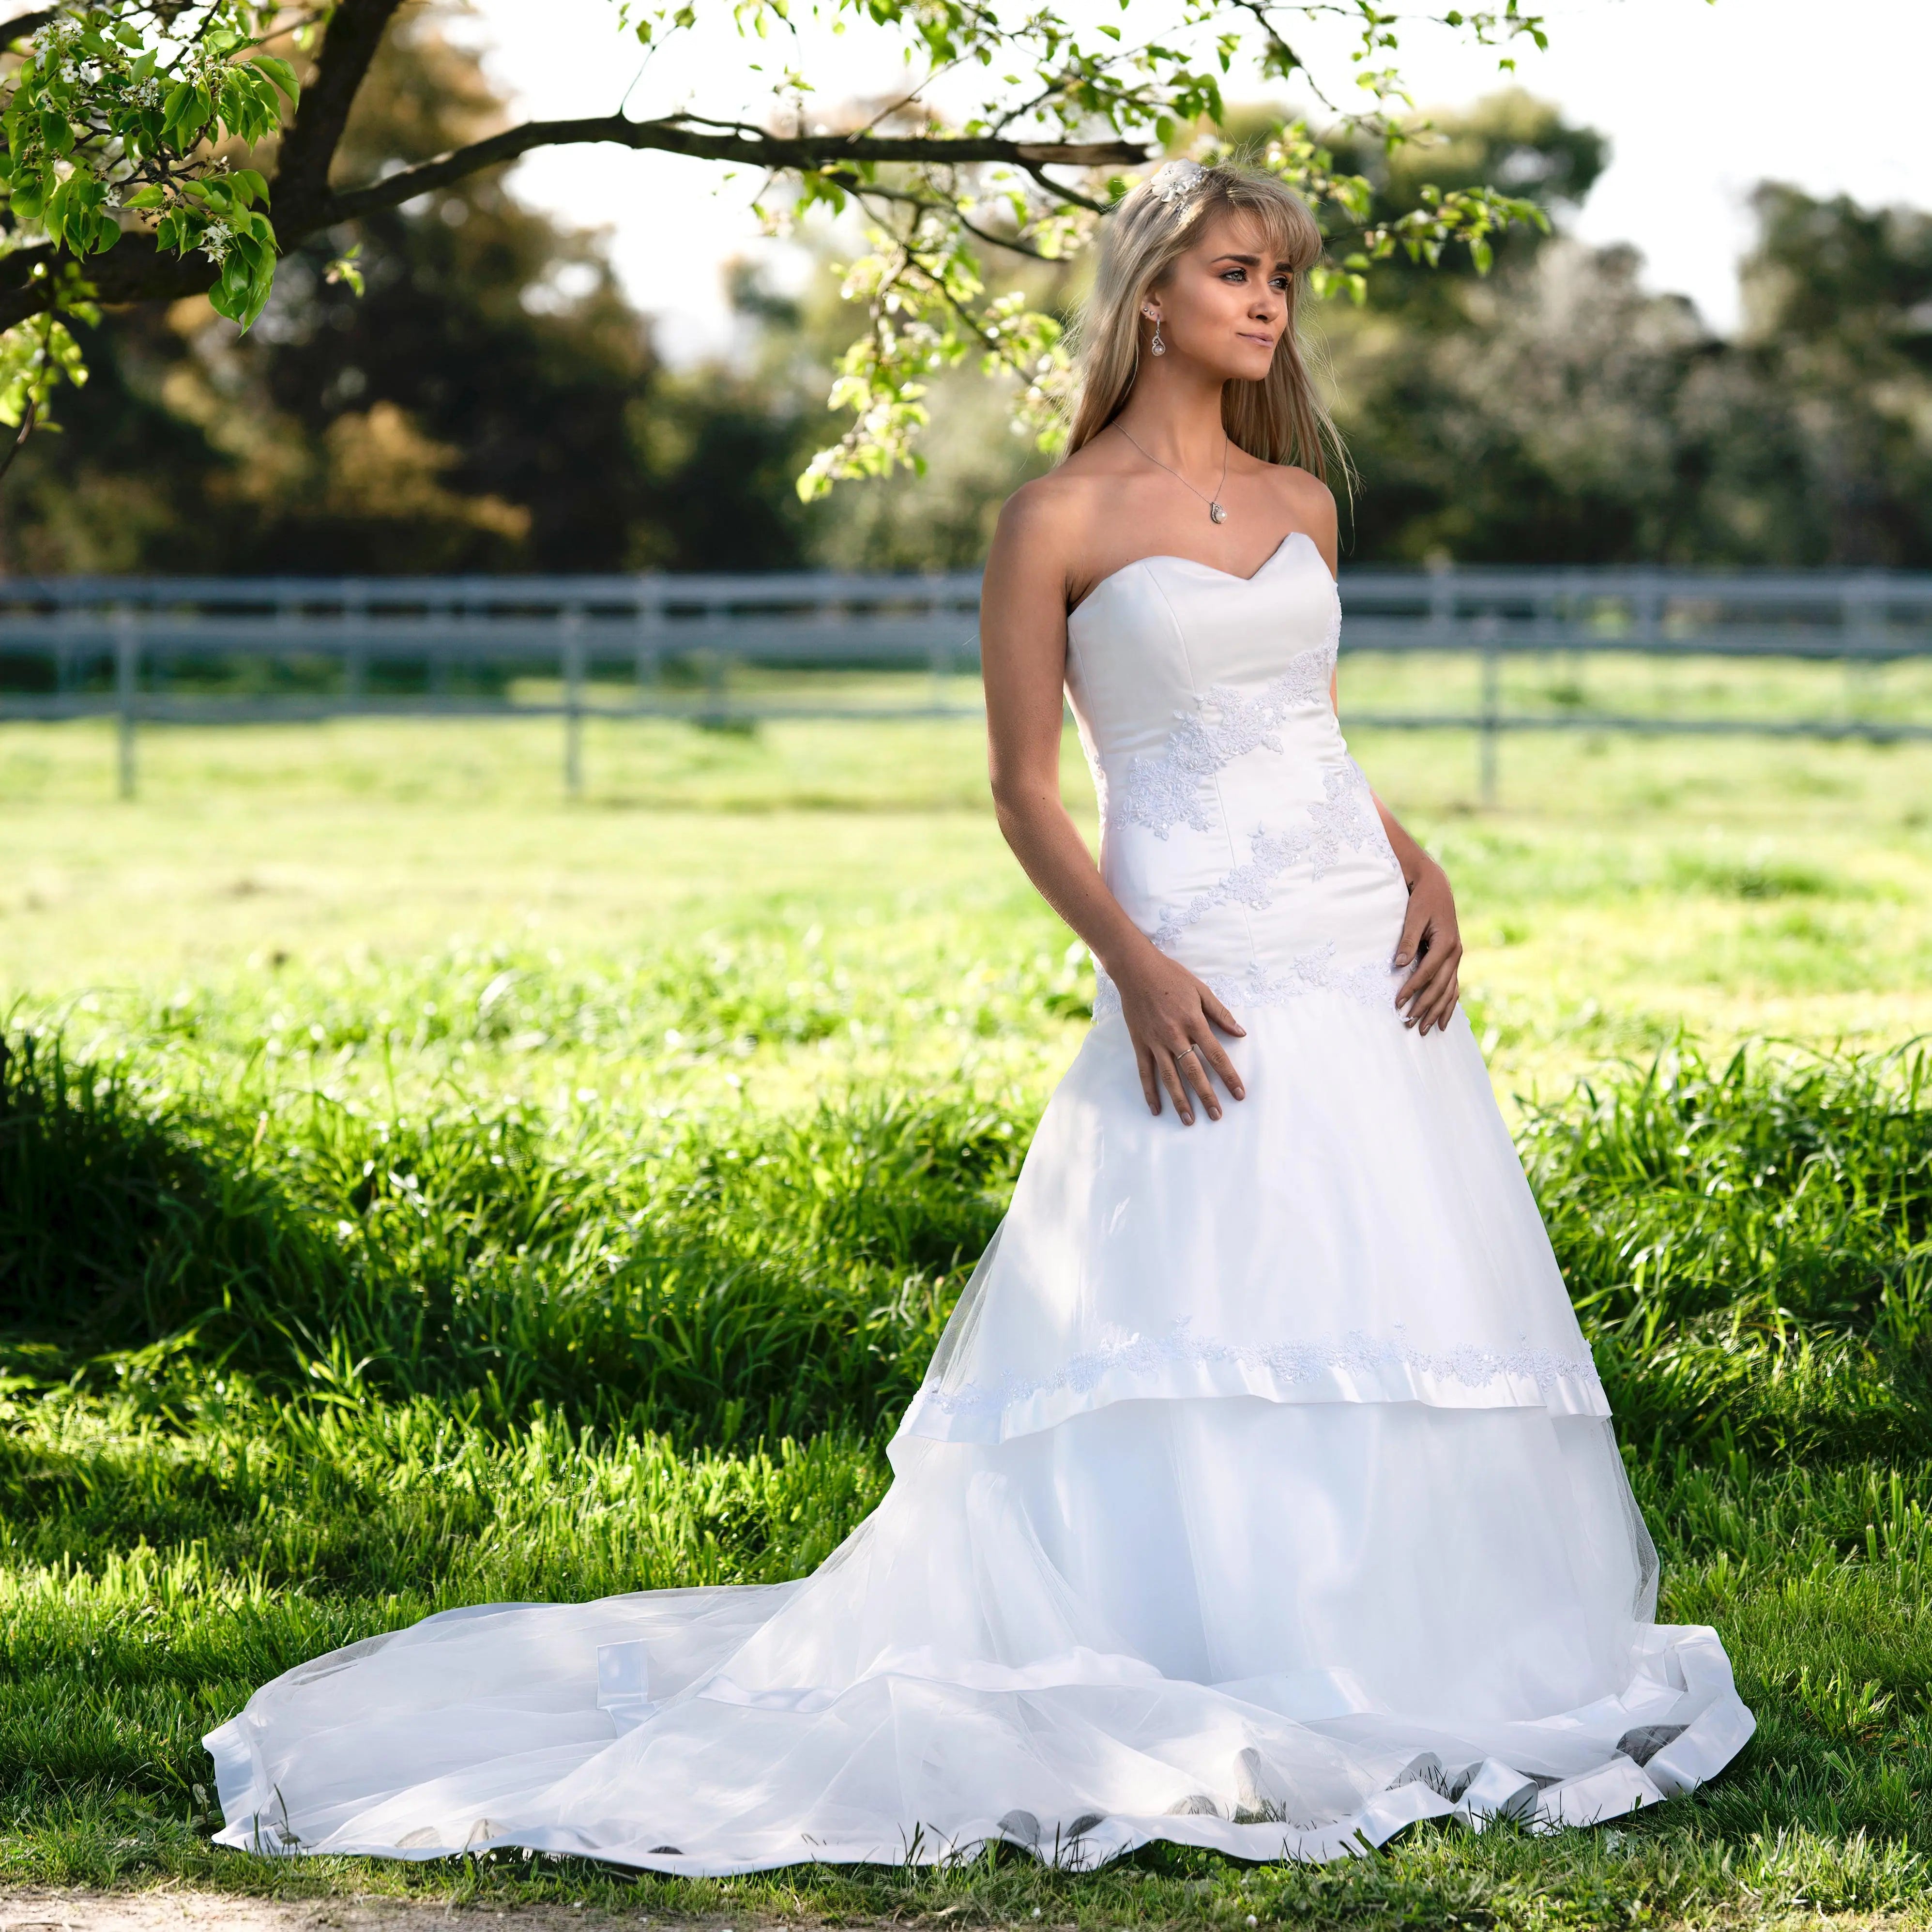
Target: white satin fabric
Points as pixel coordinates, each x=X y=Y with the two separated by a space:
x=1261 y=1494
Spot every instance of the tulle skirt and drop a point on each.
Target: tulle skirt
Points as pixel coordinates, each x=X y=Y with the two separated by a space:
x=1281 y=1629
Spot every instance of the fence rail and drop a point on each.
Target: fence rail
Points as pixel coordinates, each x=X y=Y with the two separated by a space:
x=203 y=650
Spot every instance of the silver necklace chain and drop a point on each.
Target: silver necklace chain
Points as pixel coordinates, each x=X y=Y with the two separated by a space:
x=1216 y=514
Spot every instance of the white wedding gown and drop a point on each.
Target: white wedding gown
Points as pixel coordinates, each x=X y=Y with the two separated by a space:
x=1262 y=1495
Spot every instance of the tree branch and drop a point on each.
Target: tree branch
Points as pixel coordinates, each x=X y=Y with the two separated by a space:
x=676 y=135
x=863 y=190
x=22 y=25
x=356 y=31
x=135 y=271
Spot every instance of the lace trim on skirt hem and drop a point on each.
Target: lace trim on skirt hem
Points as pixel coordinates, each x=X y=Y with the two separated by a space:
x=1354 y=1367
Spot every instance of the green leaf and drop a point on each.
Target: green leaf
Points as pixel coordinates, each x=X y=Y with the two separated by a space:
x=281 y=73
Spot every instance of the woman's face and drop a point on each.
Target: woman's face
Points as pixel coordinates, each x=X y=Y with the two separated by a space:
x=1224 y=304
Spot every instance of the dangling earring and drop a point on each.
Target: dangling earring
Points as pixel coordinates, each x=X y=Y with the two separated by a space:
x=1158 y=347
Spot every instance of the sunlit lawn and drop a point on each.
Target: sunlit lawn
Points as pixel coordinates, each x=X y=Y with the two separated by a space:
x=1620 y=888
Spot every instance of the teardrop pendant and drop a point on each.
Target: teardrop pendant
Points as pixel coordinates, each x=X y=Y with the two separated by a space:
x=1216 y=514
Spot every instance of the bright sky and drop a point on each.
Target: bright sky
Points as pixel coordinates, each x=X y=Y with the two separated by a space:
x=1701 y=99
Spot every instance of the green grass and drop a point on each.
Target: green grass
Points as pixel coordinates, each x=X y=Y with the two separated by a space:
x=414 y=1191
x=1622 y=889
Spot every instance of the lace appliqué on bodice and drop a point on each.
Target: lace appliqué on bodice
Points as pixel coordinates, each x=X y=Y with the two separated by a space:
x=1163 y=791
x=1343 y=819
x=1286 y=1363
x=1369 y=984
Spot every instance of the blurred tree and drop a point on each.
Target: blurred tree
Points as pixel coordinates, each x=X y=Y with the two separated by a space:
x=490 y=402
x=469 y=409
x=1548 y=426
x=1559 y=411
x=1837 y=339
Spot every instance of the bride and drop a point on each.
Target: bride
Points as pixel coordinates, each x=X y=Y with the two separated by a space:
x=1261 y=1493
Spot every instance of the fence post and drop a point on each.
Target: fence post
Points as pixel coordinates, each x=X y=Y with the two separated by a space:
x=1863 y=620
x=939 y=652
x=1442 y=600
x=716 y=670
x=355 y=623
x=127 y=674
x=649 y=616
x=1646 y=607
x=573 y=699
x=1486 y=628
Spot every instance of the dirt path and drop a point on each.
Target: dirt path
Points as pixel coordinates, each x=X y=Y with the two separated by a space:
x=171 y=1909
x=176 y=1909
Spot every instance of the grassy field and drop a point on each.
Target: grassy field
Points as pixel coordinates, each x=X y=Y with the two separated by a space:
x=414 y=1190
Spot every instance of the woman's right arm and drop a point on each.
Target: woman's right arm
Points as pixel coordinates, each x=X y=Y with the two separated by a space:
x=1023 y=658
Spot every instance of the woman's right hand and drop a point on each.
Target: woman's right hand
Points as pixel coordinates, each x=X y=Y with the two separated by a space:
x=1171 y=1018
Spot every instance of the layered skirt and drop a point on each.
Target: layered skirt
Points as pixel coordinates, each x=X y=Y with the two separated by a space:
x=1262 y=1495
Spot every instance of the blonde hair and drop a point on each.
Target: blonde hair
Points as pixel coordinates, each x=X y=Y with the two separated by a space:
x=1280 y=418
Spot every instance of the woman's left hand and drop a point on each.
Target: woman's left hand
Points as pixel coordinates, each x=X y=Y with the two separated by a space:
x=1430 y=938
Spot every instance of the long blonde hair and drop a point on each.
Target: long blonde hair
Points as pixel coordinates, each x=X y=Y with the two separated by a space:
x=1280 y=418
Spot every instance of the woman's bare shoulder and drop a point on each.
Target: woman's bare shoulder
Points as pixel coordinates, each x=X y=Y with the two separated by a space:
x=1301 y=494
x=1054 y=517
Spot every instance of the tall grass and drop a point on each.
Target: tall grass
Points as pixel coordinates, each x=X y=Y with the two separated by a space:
x=1749 y=1245
x=760 y=1274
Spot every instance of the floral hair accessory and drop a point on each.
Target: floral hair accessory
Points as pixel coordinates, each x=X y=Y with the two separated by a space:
x=1176 y=182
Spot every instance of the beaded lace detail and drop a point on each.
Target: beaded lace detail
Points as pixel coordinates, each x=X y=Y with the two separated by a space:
x=1163 y=791
x=1368 y=984
x=1288 y=1363
x=1344 y=818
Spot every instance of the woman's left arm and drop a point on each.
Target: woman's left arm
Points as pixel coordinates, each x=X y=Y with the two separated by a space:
x=1430 y=936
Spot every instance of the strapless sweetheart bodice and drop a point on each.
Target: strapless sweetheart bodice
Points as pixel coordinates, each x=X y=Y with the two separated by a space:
x=1235 y=828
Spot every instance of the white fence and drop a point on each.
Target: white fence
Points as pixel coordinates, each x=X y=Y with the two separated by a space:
x=716 y=650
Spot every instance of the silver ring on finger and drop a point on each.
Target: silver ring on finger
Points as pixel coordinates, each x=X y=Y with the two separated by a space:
x=1183 y=1053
